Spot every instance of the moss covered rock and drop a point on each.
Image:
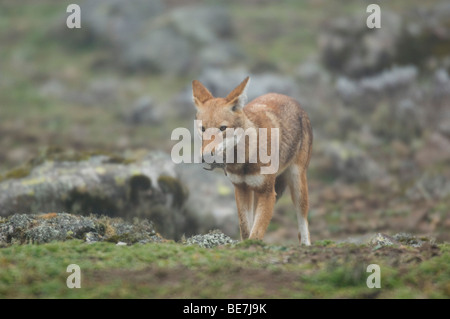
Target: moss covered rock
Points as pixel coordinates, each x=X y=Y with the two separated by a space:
x=93 y=183
x=179 y=199
x=44 y=228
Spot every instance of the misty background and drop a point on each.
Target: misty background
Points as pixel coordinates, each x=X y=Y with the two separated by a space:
x=86 y=114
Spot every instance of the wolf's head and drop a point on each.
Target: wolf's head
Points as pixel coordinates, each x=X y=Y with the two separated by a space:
x=216 y=114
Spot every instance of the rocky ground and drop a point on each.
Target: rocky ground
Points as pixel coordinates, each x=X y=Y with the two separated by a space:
x=46 y=228
x=52 y=227
x=123 y=260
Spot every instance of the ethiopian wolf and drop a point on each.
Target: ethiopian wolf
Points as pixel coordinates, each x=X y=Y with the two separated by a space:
x=272 y=120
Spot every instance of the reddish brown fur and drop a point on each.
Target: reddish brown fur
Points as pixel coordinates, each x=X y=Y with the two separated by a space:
x=256 y=194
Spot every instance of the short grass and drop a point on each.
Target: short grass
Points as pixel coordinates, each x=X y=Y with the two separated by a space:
x=248 y=270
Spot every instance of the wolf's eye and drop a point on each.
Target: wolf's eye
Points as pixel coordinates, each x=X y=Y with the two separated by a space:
x=203 y=129
x=222 y=128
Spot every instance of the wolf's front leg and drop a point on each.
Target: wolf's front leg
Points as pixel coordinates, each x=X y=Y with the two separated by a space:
x=244 y=203
x=265 y=201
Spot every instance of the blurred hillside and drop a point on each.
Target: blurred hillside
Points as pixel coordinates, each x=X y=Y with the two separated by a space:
x=379 y=100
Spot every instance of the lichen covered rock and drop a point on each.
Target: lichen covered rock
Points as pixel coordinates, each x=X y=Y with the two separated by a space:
x=144 y=187
x=420 y=37
x=212 y=239
x=44 y=228
x=401 y=239
x=178 y=199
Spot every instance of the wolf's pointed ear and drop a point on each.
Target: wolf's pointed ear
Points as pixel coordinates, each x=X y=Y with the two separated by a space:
x=238 y=97
x=200 y=94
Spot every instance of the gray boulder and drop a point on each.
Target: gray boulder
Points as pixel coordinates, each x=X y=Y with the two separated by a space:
x=162 y=51
x=143 y=35
x=419 y=37
x=348 y=47
x=369 y=89
x=144 y=111
x=211 y=197
x=44 y=228
x=349 y=163
x=439 y=114
x=425 y=37
x=179 y=199
x=428 y=187
x=435 y=150
x=116 y=22
x=392 y=101
x=183 y=40
x=102 y=185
